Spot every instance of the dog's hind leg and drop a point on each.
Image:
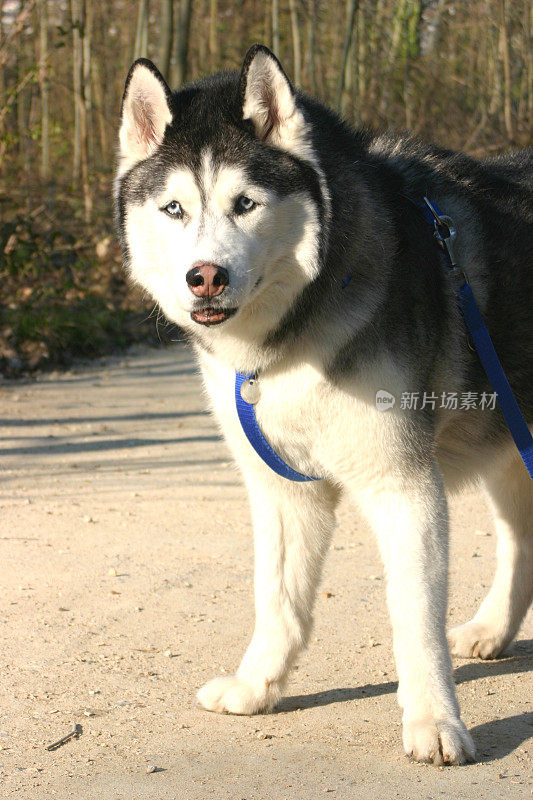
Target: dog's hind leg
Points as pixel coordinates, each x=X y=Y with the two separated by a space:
x=499 y=616
x=293 y=524
x=409 y=514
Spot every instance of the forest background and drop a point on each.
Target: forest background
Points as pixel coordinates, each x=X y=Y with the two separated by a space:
x=457 y=72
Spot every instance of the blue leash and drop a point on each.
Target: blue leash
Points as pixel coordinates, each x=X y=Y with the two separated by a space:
x=445 y=234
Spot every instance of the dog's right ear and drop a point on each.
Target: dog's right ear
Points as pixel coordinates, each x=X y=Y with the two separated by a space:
x=145 y=112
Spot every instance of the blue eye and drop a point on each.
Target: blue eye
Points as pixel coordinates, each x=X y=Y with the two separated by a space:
x=173 y=209
x=244 y=204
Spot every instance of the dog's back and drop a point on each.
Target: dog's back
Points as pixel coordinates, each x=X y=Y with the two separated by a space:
x=491 y=203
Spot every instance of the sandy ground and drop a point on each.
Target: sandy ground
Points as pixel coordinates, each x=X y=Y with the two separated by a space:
x=126 y=577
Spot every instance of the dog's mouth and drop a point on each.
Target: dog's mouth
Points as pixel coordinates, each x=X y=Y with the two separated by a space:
x=211 y=315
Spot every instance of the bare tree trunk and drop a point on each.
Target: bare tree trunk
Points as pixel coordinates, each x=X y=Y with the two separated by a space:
x=141 y=33
x=496 y=90
x=166 y=35
x=322 y=47
x=529 y=70
x=213 y=34
x=15 y=29
x=350 y=20
x=296 y=44
x=362 y=66
x=311 y=20
x=411 y=52
x=99 y=104
x=179 y=72
x=77 y=58
x=275 y=27
x=22 y=122
x=376 y=33
x=432 y=14
x=348 y=94
x=506 y=71
x=399 y=17
x=45 y=93
x=144 y=41
x=79 y=17
x=521 y=106
x=267 y=25
x=2 y=73
x=356 y=98
x=202 y=49
x=86 y=79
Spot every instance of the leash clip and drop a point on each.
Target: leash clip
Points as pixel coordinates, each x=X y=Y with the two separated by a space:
x=447 y=226
x=445 y=231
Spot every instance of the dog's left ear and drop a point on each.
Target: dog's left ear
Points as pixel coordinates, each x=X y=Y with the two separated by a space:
x=145 y=112
x=268 y=99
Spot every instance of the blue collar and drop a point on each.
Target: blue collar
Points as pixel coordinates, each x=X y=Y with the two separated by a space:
x=254 y=434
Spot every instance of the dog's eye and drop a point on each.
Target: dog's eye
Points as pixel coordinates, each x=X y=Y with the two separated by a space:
x=173 y=209
x=244 y=204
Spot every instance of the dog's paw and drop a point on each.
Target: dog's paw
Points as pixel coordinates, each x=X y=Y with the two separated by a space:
x=475 y=639
x=231 y=695
x=438 y=741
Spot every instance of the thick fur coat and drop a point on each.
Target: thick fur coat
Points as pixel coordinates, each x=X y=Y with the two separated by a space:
x=290 y=246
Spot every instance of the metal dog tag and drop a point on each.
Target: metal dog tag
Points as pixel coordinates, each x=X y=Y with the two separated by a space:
x=250 y=391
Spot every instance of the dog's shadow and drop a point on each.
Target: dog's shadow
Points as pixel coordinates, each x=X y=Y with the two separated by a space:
x=494 y=739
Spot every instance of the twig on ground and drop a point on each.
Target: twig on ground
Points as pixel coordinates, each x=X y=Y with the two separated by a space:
x=74 y=733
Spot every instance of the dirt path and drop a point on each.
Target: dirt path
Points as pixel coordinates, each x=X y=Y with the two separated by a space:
x=126 y=576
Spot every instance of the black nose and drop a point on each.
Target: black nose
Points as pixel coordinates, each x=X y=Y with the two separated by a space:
x=206 y=279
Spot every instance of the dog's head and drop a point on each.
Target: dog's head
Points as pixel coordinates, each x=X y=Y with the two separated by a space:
x=220 y=197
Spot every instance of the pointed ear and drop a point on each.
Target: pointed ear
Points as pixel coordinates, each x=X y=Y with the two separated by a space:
x=145 y=112
x=268 y=99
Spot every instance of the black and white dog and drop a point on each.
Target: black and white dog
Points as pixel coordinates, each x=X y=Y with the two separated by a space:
x=288 y=246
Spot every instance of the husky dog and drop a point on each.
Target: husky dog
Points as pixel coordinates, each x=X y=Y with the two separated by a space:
x=288 y=245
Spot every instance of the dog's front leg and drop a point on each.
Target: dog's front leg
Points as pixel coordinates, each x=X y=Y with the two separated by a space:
x=293 y=524
x=410 y=517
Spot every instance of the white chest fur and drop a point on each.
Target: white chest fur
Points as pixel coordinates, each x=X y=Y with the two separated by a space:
x=316 y=427
x=288 y=410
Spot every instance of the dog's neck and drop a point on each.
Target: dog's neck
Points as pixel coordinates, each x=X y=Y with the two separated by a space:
x=239 y=349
